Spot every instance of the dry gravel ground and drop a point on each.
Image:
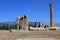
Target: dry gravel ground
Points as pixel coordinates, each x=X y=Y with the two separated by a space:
x=36 y=39
x=29 y=35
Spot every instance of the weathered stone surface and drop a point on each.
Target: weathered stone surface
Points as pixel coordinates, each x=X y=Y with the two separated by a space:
x=22 y=22
x=51 y=15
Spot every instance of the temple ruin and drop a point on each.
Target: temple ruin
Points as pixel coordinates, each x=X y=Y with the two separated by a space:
x=22 y=22
x=51 y=15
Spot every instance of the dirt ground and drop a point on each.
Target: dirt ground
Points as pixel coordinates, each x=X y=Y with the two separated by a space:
x=6 y=35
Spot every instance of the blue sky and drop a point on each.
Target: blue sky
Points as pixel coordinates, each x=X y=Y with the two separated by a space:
x=37 y=10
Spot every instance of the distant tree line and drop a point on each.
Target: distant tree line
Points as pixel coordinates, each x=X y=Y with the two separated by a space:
x=35 y=24
x=7 y=27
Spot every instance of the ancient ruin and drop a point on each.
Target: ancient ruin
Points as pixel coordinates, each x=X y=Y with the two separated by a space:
x=17 y=23
x=22 y=22
x=51 y=15
x=26 y=22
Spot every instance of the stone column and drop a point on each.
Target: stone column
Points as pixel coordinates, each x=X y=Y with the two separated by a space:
x=26 y=22
x=17 y=23
x=51 y=15
x=21 y=23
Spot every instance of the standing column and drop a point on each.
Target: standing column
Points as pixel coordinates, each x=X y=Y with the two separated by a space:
x=51 y=15
x=17 y=23
x=26 y=22
x=21 y=23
